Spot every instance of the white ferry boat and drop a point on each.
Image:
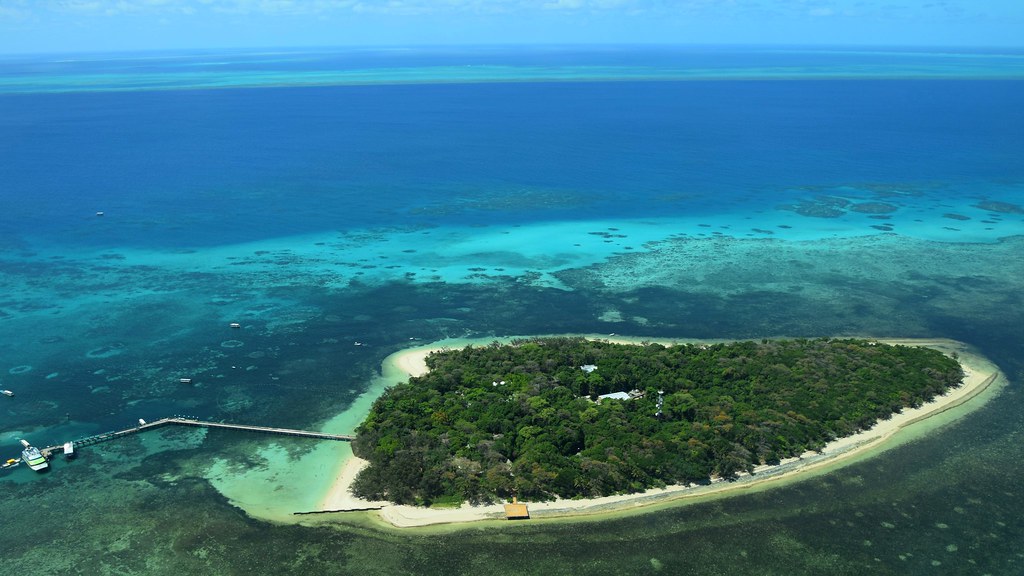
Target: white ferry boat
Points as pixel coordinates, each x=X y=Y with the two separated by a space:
x=33 y=457
x=6 y=392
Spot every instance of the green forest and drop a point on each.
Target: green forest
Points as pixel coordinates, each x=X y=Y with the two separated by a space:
x=525 y=419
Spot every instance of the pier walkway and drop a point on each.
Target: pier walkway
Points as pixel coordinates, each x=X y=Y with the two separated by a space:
x=179 y=421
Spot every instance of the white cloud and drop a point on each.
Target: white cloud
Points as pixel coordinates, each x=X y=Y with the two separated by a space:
x=83 y=5
x=115 y=7
x=596 y=5
x=328 y=7
x=564 y=5
x=14 y=10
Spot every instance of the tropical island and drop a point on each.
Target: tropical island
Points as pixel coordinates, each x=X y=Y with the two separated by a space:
x=569 y=417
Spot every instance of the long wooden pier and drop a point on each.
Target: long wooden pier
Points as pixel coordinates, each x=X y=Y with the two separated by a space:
x=179 y=421
x=264 y=429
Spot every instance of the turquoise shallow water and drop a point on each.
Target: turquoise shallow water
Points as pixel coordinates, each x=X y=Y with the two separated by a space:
x=340 y=223
x=240 y=69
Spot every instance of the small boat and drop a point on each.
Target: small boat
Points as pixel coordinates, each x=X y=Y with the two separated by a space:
x=35 y=459
x=6 y=392
x=235 y=325
x=185 y=380
x=99 y=213
x=11 y=463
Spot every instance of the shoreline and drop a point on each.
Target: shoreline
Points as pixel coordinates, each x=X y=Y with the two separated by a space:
x=979 y=376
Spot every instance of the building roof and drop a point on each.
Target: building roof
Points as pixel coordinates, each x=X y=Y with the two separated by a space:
x=516 y=512
x=615 y=396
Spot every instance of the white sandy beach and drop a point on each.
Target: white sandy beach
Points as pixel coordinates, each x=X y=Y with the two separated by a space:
x=980 y=375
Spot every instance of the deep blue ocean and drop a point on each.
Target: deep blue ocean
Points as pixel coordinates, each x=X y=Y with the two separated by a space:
x=235 y=165
x=323 y=199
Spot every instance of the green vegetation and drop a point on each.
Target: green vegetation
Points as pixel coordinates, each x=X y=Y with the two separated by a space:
x=489 y=422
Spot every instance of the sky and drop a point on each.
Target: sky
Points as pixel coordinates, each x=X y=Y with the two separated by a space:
x=70 y=26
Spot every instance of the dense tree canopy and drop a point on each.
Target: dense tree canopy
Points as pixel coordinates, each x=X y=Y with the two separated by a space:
x=489 y=422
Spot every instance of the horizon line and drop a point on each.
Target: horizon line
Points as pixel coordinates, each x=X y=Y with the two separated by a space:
x=812 y=47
